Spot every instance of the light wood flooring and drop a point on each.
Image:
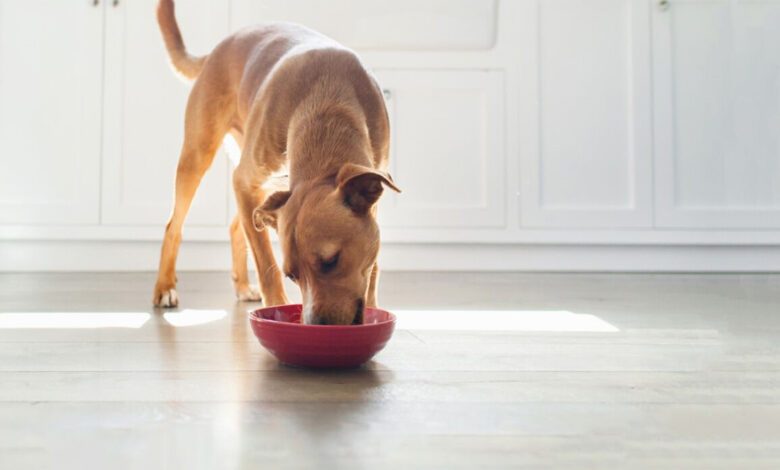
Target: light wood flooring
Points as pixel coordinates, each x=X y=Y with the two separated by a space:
x=534 y=371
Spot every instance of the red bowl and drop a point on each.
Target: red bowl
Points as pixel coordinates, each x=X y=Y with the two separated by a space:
x=281 y=332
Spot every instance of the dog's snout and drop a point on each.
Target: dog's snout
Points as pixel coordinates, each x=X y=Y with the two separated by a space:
x=358 y=320
x=321 y=315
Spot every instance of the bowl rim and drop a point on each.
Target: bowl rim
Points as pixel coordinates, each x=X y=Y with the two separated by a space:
x=254 y=317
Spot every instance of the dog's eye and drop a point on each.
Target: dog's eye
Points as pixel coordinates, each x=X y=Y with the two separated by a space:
x=327 y=265
x=291 y=277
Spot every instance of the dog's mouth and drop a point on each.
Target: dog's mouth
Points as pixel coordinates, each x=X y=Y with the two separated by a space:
x=358 y=320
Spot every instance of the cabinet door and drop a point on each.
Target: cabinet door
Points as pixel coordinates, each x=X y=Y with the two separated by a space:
x=50 y=91
x=144 y=115
x=446 y=149
x=717 y=104
x=585 y=117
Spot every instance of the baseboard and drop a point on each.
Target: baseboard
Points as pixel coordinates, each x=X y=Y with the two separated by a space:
x=207 y=256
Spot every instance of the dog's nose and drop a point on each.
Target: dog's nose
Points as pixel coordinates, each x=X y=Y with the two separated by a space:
x=358 y=320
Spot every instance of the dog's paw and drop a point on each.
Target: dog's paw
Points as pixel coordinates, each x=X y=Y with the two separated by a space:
x=166 y=298
x=248 y=294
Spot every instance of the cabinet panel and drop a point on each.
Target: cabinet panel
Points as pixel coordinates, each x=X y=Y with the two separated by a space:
x=382 y=25
x=144 y=115
x=717 y=105
x=587 y=159
x=447 y=151
x=50 y=91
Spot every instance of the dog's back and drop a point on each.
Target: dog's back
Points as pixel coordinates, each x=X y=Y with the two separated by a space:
x=280 y=63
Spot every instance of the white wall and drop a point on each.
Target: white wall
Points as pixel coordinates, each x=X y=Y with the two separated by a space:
x=527 y=134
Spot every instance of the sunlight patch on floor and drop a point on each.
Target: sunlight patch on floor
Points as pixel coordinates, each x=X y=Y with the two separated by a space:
x=191 y=317
x=56 y=320
x=502 y=320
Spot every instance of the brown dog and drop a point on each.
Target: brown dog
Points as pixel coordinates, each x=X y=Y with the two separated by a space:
x=291 y=98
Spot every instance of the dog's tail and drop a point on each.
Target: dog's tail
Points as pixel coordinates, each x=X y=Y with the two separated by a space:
x=185 y=64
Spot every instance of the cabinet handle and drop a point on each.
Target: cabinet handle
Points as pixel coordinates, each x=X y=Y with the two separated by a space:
x=664 y=5
x=95 y=3
x=387 y=94
x=116 y=3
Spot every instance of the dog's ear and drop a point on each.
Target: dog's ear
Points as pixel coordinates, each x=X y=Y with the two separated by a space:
x=267 y=213
x=361 y=186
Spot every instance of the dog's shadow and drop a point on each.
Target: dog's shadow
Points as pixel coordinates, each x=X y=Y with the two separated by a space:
x=313 y=404
x=320 y=414
x=291 y=383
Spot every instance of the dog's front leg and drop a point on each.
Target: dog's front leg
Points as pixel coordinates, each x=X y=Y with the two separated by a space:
x=249 y=195
x=372 y=286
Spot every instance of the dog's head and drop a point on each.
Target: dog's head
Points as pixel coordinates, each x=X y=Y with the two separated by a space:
x=330 y=240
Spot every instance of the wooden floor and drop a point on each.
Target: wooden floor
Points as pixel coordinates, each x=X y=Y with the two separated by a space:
x=564 y=371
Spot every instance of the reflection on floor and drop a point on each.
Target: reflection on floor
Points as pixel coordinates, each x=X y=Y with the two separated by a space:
x=486 y=370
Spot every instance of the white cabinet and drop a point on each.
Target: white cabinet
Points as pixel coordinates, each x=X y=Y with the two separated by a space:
x=144 y=115
x=50 y=107
x=585 y=116
x=398 y=25
x=717 y=114
x=512 y=122
x=446 y=149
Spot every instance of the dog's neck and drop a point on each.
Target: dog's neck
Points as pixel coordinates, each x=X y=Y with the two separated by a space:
x=325 y=133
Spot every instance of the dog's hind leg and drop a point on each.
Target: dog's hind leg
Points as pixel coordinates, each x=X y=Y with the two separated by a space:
x=373 y=285
x=244 y=290
x=206 y=123
x=233 y=144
